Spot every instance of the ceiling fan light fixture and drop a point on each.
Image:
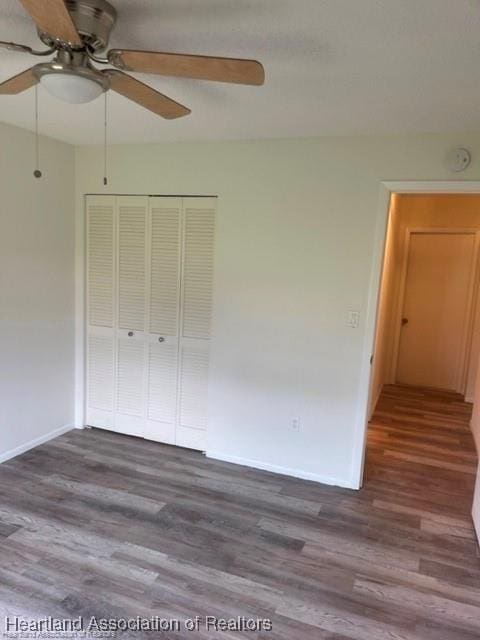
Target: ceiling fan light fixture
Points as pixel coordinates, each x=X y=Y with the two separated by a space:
x=71 y=88
x=76 y=85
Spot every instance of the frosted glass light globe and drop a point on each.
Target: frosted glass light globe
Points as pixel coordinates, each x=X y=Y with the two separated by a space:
x=71 y=88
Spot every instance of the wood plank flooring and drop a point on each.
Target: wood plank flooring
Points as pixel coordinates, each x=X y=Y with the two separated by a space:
x=98 y=524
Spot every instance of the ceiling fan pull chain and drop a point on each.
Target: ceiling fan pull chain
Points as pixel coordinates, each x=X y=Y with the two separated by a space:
x=37 y=173
x=105 y=179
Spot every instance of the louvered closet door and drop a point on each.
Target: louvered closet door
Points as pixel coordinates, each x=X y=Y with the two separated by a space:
x=196 y=305
x=163 y=317
x=131 y=313
x=100 y=311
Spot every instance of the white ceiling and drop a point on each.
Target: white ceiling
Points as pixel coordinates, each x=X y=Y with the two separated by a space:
x=332 y=67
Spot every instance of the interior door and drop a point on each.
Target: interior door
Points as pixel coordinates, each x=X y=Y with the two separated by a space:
x=163 y=317
x=196 y=312
x=131 y=312
x=435 y=309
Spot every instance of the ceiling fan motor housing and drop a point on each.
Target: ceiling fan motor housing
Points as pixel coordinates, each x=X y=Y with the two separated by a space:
x=94 y=21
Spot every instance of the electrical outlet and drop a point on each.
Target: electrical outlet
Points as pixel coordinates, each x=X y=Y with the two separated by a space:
x=353 y=319
x=296 y=424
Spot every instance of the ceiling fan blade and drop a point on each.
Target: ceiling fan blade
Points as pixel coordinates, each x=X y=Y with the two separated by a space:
x=52 y=17
x=145 y=96
x=18 y=83
x=186 y=66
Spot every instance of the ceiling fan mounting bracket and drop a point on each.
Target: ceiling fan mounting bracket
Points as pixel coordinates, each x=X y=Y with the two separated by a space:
x=94 y=21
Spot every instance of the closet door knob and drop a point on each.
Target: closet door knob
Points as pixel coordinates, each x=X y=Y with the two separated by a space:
x=130 y=334
x=161 y=339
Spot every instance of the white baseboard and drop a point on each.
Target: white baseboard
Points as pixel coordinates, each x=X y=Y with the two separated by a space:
x=284 y=471
x=12 y=453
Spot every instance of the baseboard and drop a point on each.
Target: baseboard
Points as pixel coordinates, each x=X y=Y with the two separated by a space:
x=284 y=471
x=12 y=453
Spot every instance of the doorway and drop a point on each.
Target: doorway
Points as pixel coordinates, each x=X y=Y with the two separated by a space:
x=378 y=353
x=428 y=321
x=424 y=375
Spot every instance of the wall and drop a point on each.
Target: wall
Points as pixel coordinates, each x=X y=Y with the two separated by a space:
x=37 y=291
x=446 y=211
x=295 y=246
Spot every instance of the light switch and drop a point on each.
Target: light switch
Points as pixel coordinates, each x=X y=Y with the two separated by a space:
x=353 y=319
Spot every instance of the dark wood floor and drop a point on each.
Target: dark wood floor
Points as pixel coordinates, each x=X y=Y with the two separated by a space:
x=95 y=523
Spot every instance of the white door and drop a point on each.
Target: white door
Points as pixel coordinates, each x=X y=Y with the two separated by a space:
x=163 y=295
x=436 y=310
x=131 y=312
x=150 y=283
x=100 y=358
x=196 y=314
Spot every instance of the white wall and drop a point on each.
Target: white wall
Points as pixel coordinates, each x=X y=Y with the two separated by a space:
x=295 y=243
x=36 y=290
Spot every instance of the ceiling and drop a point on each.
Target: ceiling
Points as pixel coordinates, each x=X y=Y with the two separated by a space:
x=332 y=67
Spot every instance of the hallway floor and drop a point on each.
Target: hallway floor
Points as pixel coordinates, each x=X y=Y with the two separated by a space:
x=99 y=524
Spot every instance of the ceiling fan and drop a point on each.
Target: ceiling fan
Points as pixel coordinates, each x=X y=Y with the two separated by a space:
x=75 y=31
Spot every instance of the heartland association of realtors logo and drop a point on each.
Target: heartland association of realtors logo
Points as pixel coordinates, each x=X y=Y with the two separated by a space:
x=20 y=627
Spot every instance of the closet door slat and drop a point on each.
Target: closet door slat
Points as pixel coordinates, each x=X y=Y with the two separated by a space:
x=198 y=267
x=132 y=214
x=100 y=263
x=164 y=265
